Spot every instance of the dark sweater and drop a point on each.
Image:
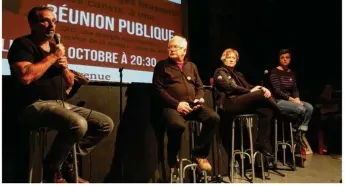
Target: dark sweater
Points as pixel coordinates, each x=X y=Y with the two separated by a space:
x=175 y=85
x=284 y=84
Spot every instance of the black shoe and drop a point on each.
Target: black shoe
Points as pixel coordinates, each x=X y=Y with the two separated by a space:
x=298 y=139
x=52 y=176
x=68 y=171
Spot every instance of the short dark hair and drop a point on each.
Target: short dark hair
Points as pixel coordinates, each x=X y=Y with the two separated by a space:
x=284 y=51
x=35 y=12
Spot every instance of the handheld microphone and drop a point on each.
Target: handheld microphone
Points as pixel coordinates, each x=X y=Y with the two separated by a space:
x=265 y=72
x=57 y=38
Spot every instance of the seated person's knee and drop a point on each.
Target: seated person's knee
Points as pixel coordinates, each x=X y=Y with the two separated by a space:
x=107 y=125
x=178 y=126
x=79 y=125
x=214 y=117
x=301 y=109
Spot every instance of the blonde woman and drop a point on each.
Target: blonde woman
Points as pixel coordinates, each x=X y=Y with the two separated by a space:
x=236 y=96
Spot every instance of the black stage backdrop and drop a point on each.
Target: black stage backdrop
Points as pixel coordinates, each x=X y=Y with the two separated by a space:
x=134 y=152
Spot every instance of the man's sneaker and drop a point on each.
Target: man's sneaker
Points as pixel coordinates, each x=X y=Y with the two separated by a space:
x=68 y=171
x=303 y=128
x=53 y=177
x=70 y=176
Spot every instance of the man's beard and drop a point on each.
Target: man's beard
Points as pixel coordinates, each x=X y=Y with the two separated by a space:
x=49 y=35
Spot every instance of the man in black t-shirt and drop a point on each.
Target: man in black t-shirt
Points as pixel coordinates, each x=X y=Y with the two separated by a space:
x=41 y=76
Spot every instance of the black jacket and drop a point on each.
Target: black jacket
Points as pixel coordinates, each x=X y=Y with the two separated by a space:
x=175 y=85
x=229 y=83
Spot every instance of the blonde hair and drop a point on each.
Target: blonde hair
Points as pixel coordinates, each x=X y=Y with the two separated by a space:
x=181 y=40
x=228 y=51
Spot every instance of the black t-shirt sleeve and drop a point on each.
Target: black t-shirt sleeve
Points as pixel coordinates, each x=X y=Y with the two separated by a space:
x=21 y=50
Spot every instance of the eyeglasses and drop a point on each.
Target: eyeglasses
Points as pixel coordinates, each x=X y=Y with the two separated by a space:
x=174 y=47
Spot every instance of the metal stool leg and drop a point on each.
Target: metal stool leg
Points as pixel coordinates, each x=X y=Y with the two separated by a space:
x=283 y=145
x=205 y=176
x=194 y=174
x=193 y=166
x=41 y=134
x=262 y=164
x=33 y=138
x=172 y=177
x=275 y=143
x=43 y=143
x=262 y=167
x=232 y=152
x=181 y=171
x=242 y=150
x=75 y=162
x=293 y=148
x=250 y=126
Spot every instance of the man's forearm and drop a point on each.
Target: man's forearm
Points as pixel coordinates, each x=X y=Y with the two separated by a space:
x=69 y=77
x=35 y=71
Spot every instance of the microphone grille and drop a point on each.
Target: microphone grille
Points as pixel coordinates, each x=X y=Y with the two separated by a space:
x=57 y=35
x=57 y=38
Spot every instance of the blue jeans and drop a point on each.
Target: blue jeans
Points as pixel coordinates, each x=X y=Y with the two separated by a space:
x=74 y=124
x=303 y=112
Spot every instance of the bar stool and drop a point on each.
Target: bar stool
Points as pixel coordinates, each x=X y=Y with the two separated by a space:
x=41 y=134
x=283 y=143
x=245 y=119
x=185 y=163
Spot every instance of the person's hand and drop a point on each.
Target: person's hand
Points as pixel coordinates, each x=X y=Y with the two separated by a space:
x=255 y=88
x=184 y=108
x=295 y=100
x=59 y=50
x=299 y=101
x=62 y=62
x=196 y=107
x=198 y=103
x=267 y=93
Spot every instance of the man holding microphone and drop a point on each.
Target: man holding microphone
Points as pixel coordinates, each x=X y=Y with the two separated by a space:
x=40 y=72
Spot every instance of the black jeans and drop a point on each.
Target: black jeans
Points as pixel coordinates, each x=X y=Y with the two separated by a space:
x=177 y=125
x=255 y=103
x=74 y=125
